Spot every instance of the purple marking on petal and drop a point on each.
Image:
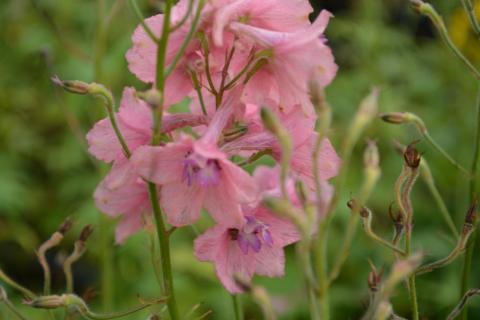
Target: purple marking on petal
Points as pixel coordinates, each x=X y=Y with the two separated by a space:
x=198 y=169
x=242 y=243
x=256 y=244
x=267 y=237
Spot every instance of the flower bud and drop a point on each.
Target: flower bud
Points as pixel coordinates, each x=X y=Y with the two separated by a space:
x=374 y=278
x=66 y=225
x=470 y=218
x=86 y=232
x=47 y=302
x=396 y=117
x=412 y=156
x=152 y=97
x=371 y=159
x=73 y=86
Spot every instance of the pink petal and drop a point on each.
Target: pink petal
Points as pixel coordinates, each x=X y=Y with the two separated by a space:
x=222 y=204
x=270 y=262
x=162 y=164
x=129 y=225
x=214 y=245
x=283 y=231
x=181 y=203
x=130 y=197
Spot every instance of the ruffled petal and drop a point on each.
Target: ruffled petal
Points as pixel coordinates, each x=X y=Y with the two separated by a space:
x=162 y=164
x=181 y=203
x=270 y=261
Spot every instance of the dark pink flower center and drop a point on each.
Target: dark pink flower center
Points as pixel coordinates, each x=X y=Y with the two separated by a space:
x=205 y=172
x=253 y=235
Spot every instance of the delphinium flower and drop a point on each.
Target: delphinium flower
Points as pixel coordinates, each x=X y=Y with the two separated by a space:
x=196 y=174
x=244 y=54
x=254 y=246
x=123 y=192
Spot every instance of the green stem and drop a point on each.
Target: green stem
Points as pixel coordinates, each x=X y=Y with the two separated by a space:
x=141 y=19
x=163 y=239
x=430 y=140
x=430 y=182
x=237 y=307
x=198 y=90
x=322 y=271
x=12 y=309
x=185 y=17
x=10 y=282
x=439 y=24
x=470 y=10
x=186 y=40
x=463 y=303
x=467 y=265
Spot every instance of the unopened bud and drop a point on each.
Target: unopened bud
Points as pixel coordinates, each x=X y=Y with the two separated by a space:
x=374 y=278
x=369 y=106
x=66 y=225
x=270 y=121
x=73 y=86
x=371 y=158
x=471 y=216
x=152 y=97
x=80 y=87
x=364 y=212
x=86 y=232
x=47 y=302
x=412 y=156
x=396 y=117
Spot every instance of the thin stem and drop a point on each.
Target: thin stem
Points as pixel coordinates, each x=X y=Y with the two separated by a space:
x=413 y=297
x=186 y=40
x=141 y=19
x=14 y=285
x=118 y=133
x=405 y=199
x=198 y=90
x=12 y=309
x=185 y=17
x=473 y=194
x=322 y=271
x=439 y=24
x=430 y=182
x=456 y=252
x=430 y=140
x=470 y=10
x=237 y=307
x=206 y=53
x=163 y=240
x=371 y=175
x=160 y=71
x=463 y=303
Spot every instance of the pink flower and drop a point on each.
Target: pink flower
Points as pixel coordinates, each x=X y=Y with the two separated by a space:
x=253 y=246
x=196 y=174
x=123 y=193
x=278 y=15
x=135 y=123
x=142 y=57
x=302 y=131
x=295 y=59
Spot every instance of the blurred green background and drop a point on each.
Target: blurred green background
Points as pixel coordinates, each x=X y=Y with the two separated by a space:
x=47 y=175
